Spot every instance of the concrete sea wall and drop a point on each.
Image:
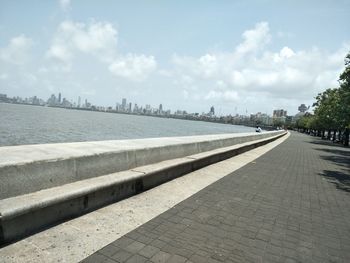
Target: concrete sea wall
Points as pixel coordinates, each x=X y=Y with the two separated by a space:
x=45 y=184
x=29 y=168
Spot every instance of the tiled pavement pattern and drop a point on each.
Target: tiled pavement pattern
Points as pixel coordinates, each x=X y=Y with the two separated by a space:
x=290 y=205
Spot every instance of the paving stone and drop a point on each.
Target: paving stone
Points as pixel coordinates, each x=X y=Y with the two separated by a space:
x=137 y=259
x=161 y=257
x=108 y=251
x=198 y=258
x=134 y=247
x=148 y=251
x=177 y=259
x=122 y=242
x=158 y=243
x=121 y=255
x=96 y=258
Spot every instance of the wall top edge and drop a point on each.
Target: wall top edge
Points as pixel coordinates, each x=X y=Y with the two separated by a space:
x=21 y=154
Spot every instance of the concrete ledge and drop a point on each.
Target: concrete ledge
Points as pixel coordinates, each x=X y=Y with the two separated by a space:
x=30 y=168
x=25 y=214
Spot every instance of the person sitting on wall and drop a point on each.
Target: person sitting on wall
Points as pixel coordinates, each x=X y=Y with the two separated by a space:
x=258 y=129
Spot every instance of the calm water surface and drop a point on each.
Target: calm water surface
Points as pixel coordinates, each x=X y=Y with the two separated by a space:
x=24 y=124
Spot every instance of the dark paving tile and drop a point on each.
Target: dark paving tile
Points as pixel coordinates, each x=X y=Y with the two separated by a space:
x=136 y=259
x=160 y=257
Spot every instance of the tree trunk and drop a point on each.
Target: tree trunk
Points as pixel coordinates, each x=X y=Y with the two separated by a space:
x=329 y=135
x=346 y=141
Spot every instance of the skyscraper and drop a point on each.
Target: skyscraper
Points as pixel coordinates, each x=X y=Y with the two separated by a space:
x=59 y=98
x=124 y=104
x=303 y=108
x=212 y=111
x=279 y=113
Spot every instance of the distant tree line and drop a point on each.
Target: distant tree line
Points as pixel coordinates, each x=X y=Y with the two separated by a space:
x=331 y=118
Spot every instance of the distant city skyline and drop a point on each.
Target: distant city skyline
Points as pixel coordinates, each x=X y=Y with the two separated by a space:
x=278 y=118
x=240 y=56
x=131 y=107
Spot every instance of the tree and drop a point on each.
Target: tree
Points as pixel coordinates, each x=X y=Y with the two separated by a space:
x=328 y=109
x=344 y=90
x=304 y=122
x=332 y=110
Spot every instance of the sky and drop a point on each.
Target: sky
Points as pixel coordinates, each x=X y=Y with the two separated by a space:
x=238 y=56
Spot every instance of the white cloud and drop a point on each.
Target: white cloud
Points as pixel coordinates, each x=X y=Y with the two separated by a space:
x=60 y=52
x=286 y=52
x=98 y=39
x=17 y=51
x=283 y=74
x=133 y=67
x=228 y=95
x=205 y=66
x=255 y=39
x=208 y=65
x=65 y=5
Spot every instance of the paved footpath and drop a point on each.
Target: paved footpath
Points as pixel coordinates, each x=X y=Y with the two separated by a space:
x=290 y=205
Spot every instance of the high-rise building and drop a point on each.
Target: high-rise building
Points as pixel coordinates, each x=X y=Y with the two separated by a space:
x=212 y=111
x=130 y=107
x=52 y=101
x=124 y=104
x=59 y=98
x=3 y=97
x=160 y=109
x=136 y=108
x=279 y=113
x=303 y=108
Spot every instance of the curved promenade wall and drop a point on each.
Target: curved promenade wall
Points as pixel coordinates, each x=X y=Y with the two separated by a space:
x=29 y=168
x=42 y=185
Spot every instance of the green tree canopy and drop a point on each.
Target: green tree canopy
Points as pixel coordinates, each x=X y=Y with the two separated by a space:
x=328 y=109
x=344 y=91
x=333 y=105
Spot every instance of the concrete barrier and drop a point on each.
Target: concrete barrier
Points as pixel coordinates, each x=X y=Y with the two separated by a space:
x=26 y=213
x=30 y=168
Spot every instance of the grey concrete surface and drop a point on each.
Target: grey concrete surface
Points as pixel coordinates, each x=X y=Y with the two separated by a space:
x=290 y=205
x=75 y=239
x=22 y=215
x=30 y=168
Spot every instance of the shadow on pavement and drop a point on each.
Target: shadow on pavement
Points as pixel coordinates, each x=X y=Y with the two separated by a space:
x=338 y=159
x=338 y=155
x=336 y=151
x=339 y=179
x=325 y=142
